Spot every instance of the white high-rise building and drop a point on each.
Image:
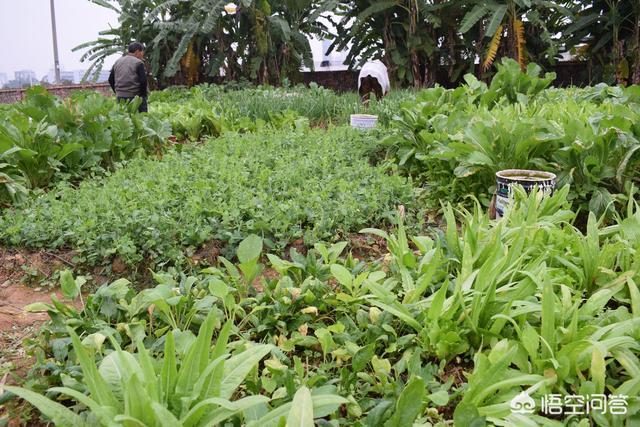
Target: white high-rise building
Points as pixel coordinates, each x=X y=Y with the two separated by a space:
x=26 y=77
x=104 y=76
x=66 y=77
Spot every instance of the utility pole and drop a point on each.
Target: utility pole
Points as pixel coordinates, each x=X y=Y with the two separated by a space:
x=56 y=62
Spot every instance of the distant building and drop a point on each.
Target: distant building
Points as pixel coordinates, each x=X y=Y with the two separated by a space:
x=66 y=77
x=50 y=77
x=3 y=79
x=75 y=77
x=26 y=77
x=78 y=75
x=323 y=61
x=103 y=77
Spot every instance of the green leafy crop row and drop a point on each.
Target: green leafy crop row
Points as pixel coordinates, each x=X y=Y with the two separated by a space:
x=283 y=185
x=319 y=105
x=454 y=141
x=45 y=139
x=447 y=326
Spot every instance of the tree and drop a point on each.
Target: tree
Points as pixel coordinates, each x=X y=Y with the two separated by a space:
x=420 y=41
x=191 y=41
x=504 y=23
x=415 y=39
x=133 y=27
x=608 y=31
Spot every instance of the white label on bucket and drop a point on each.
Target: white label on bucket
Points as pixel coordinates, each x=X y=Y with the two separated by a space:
x=502 y=204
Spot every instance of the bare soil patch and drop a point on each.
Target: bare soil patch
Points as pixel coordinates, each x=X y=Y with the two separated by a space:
x=16 y=325
x=18 y=269
x=14 y=299
x=208 y=253
x=367 y=247
x=22 y=265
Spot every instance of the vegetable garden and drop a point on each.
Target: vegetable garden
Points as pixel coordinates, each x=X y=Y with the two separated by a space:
x=348 y=277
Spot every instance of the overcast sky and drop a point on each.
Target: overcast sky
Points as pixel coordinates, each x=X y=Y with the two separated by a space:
x=25 y=33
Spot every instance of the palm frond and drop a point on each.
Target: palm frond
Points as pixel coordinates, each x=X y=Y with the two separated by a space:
x=472 y=17
x=496 y=19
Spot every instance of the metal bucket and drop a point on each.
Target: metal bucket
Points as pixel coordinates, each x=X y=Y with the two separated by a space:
x=363 y=121
x=528 y=179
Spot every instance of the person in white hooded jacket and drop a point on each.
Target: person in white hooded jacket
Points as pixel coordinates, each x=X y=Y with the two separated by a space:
x=374 y=78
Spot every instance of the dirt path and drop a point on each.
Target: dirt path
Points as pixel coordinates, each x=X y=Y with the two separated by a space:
x=13 y=300
x=25 y=278
x=16 y=325
x=18 y=270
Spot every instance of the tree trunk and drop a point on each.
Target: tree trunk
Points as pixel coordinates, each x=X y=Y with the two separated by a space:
x=281 y=62
x=635 y=73
x=430 y=77
x=617 y=53
x=617 y=48
x=479 y=50
x=415 y=60
x=512 y=38
x=388 y=45
x=263 y=74
x=452 y=54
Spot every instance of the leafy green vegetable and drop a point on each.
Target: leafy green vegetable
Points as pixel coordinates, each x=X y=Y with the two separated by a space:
x=282 y=185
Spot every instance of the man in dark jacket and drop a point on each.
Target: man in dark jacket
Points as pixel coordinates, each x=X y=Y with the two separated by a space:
x=128 y=77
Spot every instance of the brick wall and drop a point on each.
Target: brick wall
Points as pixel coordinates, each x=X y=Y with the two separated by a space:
x=569 y=73
x=340 y=81
x=8 y=96
x=573 y=73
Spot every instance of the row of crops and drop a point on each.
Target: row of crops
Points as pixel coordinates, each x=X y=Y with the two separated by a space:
x=444 y=318
x=454 y=141
x=284 y=185
x=45 y=140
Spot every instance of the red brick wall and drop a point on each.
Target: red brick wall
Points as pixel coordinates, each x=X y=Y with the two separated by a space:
x=8 y=96
x=569 y=73
x=340 y=81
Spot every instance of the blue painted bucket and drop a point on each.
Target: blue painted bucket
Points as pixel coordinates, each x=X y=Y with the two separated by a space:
x=528 y=179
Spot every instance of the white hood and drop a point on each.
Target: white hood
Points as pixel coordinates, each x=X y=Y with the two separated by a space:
x=377 y=70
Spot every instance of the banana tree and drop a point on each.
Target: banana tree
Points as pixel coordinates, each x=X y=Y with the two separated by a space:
x=291 y=24
x=272 y=37
x=609 y=31
x=187 y=33
x=191 y=41
x=134 y=26
x=505 y=20
x=414 y=39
